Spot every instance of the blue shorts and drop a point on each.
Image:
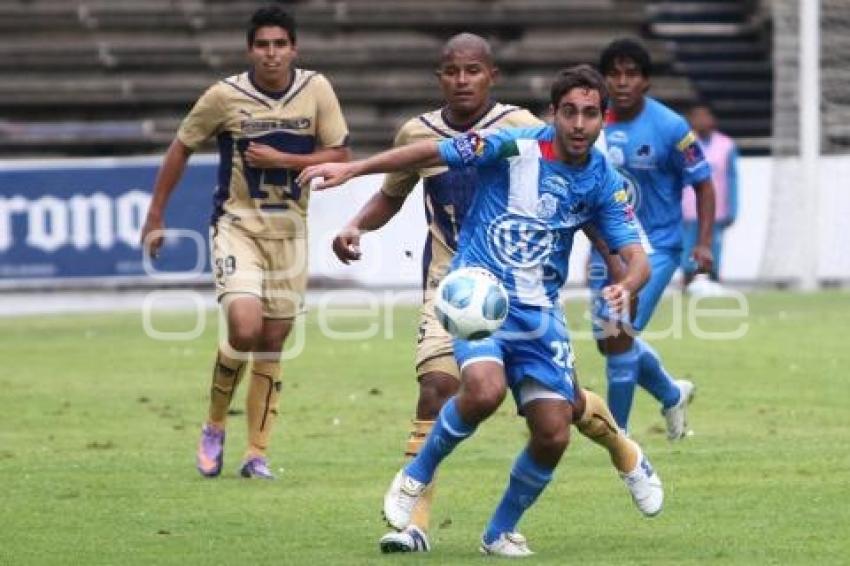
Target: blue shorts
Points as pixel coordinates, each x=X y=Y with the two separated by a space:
x=534 y=347
x=663 y=263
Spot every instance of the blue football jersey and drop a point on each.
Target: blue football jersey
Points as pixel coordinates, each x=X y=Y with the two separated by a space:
x=658 y=155
x=528 y=206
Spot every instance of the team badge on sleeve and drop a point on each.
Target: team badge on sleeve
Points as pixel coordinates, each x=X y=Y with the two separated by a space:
x=469 y=146
x=690 y=149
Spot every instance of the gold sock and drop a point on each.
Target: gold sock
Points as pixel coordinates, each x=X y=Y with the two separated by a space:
x=227 y=373
x=422 y=511
x=597 y=423
x=261 y=405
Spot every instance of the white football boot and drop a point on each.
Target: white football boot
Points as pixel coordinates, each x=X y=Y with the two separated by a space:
x=645 y=487
x=400 y=499
x=677 y=415
x=508 y=545
x=411 y=539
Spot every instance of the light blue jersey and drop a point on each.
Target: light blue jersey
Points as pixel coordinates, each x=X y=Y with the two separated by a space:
x=529 y=205
x=525 y=211
x=658 y=154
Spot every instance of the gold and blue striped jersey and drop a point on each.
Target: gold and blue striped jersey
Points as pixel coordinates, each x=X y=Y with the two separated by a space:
x=266 y=203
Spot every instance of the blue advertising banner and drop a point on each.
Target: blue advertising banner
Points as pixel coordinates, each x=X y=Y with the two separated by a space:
x=81 y=218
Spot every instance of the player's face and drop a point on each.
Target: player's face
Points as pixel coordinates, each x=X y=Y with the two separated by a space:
x=626 y=85
x=466 y=78
x=271 y=56
x=578 y=120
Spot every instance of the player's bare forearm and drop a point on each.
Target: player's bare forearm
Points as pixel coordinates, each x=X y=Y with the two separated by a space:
x=379 y=210
x=701 y=253
x=637 y=268
x=266 y=157
x=420 y=154
x=705 y=211
x=374 y=214
x=173 y=165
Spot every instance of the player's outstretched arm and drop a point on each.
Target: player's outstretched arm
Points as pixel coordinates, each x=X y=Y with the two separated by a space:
x=374 y=215
x=417 y=155
x=619 y=294
x=173 y=165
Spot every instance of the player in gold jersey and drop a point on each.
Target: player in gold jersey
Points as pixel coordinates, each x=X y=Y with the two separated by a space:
x=270 y=122
x=466 y=75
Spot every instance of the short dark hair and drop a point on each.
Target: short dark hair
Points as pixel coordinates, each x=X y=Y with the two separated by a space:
x=625 y=48
x=580 y=76
x=696 y=105
x=270 y=16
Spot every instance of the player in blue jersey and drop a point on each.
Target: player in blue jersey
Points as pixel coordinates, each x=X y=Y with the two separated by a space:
x=536 y=188
x=655 y=150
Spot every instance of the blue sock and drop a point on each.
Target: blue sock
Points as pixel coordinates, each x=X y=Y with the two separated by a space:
x=448 y=431
x=622 y=371
x=527 y=482
x=654 y=378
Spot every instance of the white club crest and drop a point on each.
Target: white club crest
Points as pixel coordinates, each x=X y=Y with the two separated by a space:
x=547 y=205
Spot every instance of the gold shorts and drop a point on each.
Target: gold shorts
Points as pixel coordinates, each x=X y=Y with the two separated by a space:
x=434 y=350
x=275 y=270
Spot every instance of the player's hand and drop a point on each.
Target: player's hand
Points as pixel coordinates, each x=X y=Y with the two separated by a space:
x=326 y=175
x=346 y=245
x=152 y=235
x=618 y=298
x=703 y=258
x=263 y=156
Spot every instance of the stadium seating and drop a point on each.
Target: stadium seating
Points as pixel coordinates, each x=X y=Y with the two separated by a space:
x=723 y=47
x=98 y=63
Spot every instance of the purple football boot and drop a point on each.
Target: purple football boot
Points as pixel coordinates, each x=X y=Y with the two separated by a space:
x=210 y=451
x=256 y=467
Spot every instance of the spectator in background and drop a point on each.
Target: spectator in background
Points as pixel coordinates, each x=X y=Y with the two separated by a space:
x=722 y=154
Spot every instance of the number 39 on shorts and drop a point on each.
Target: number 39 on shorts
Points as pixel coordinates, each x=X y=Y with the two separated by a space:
x=224 y=267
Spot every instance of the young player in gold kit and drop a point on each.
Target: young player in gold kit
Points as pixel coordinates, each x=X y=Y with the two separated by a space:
x=270 y=122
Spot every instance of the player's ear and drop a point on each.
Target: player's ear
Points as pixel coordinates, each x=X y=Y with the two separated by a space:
x=495 y=73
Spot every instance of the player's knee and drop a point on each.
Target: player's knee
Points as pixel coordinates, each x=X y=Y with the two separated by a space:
x=614 y=345
x=552 y=439
x=244 y=337
x=272 y=337
x=483 y=392
x=435 y=388
x=271 y=343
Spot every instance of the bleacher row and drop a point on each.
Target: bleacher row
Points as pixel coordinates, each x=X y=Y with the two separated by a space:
x=116 y=76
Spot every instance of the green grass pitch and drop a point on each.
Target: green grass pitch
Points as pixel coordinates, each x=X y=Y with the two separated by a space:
x=99 y=424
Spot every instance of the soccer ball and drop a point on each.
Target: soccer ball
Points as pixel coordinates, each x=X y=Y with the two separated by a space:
x=470 y=303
